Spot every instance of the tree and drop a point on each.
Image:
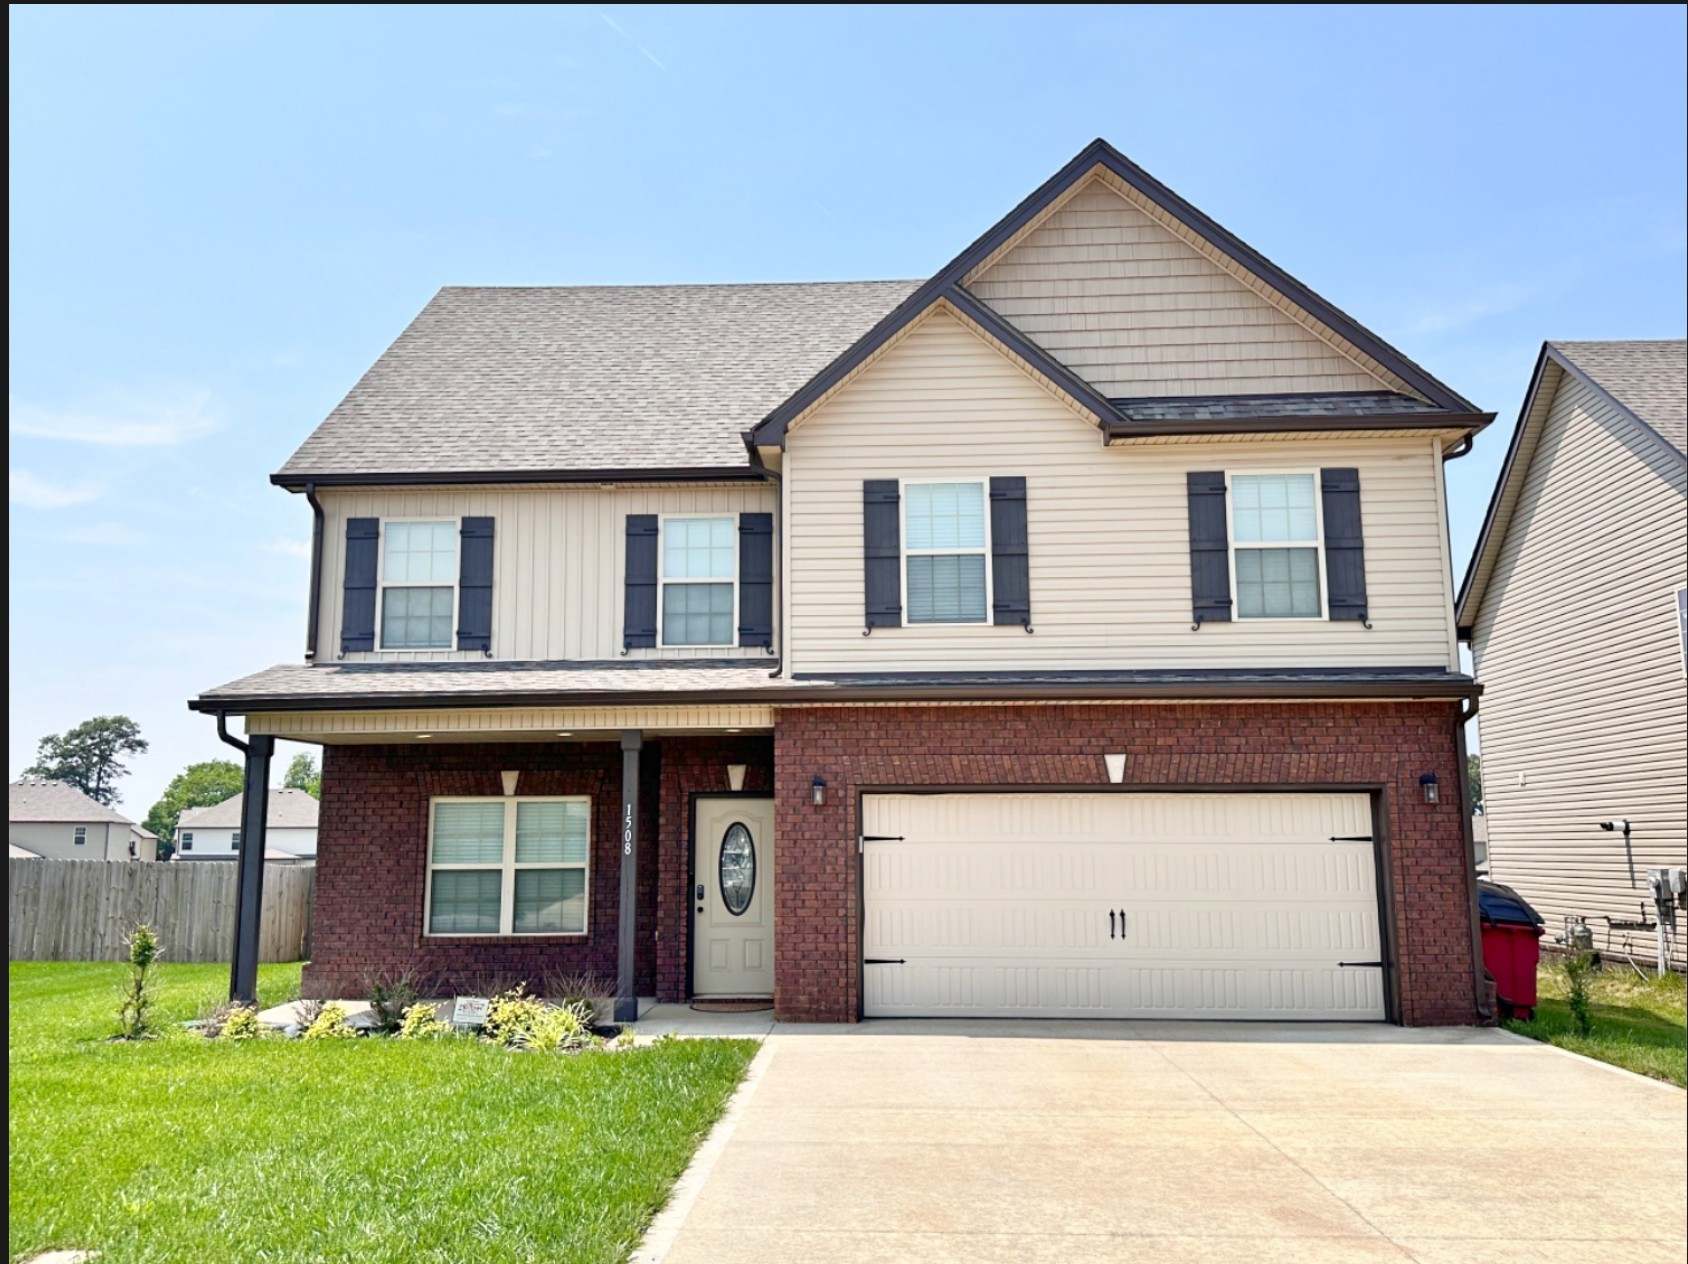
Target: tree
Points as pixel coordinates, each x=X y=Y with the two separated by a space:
x=90 y=756
x=302 y=774
x=1474 y=771
x=196 y=786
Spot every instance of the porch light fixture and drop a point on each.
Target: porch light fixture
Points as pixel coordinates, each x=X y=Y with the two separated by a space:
x=735 y=777
x=566 y=733
x=1116 y=767
x=817 y=790
x=1427 y=783
x=510 y=779
x=420 y=736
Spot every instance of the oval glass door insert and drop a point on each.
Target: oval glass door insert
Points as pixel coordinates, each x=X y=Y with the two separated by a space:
x=738 y=868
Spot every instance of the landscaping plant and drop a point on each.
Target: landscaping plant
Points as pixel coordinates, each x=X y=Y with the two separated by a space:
x=423 y=1022
x=1578 y=966
x=512 y=1016
x=240 y=1022
x=331 y=1024
x=560 y=1029
x=390 y=995
x=134 y=1012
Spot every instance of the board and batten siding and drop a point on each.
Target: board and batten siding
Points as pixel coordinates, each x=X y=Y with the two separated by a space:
x=559 y=554
x=1585 y=710
x=1107 y=527
x=1135 y=311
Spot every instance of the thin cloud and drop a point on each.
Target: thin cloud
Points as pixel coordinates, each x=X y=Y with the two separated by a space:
x=120 y=420
x=1494 y=300
x=23 y=488
x=107 y=535
x=636 y=44
x=287 y=547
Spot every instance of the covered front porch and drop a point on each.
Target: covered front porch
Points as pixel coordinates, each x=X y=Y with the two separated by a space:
x=471 y=850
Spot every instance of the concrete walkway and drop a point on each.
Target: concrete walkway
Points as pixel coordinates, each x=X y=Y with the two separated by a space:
x=1046 y=1141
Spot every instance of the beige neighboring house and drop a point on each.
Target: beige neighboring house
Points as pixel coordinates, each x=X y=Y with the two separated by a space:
x=56 y=821
x=1577 y=615
x=213 y=833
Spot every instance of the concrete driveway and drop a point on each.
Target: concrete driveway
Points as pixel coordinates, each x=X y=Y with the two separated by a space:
x=1171 y=1141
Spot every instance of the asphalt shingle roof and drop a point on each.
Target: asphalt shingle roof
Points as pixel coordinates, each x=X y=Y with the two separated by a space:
x=1233 y=407
x=643 y=377
x=37 y=799
x=289 y=809
x=1648 y=378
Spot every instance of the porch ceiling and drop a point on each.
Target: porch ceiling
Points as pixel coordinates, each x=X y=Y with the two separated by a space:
x=506 y=724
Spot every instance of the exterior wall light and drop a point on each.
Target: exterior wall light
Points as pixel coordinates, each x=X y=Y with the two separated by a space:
x=817 y=790
x=735 y=777
x=1432 y=792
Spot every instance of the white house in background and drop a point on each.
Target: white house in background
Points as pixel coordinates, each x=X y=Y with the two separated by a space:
x=55 y=820
x=213 y=833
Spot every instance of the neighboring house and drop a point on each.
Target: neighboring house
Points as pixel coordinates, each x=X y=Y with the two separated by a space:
x=55 y=820
x=144 y=842
x=1070 y=634
x=213 y=833
x=1575 y=608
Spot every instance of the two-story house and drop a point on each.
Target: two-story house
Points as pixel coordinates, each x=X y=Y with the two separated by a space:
x=1068 y=634
x=213 y=832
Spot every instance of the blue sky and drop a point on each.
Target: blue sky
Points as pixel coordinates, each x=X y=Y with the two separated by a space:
x=220 y=216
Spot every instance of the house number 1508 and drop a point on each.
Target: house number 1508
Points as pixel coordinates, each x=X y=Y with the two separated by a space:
x=627 y=830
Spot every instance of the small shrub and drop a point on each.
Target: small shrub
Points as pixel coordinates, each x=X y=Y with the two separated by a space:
x=512 y=1016
x=331 y=1024
x=240 y=1022
x=390 y=995
x=134 y=1011
x=305 y=1012
x=557 y=1029
x=423 y=1022
x=576 y=987
x=624 y=1037
x=1578 y=966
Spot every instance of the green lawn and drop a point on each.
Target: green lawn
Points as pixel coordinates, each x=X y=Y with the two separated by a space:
x=1637 y=1024
x=186 y=1149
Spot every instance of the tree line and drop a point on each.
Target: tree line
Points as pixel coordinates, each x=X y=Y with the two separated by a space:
x=93 y=756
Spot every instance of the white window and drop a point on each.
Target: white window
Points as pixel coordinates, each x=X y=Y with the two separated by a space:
x=699 y=567
x=81 y=835
x=187 y=842
x=1277 y=551
x=418 y=585
x=508 y=866
x=946 y=547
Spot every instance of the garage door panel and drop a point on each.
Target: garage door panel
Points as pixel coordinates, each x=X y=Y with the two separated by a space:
x=1233 y=906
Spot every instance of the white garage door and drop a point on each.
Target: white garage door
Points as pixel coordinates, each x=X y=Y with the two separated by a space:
x=1120 y=906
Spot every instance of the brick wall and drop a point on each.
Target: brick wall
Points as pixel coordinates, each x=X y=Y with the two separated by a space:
x=372 y=848
x=1389 y=744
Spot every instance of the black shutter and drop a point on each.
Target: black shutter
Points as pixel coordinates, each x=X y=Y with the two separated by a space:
x=1011 y=585
x=1345 y=547
x=882 y=551
x=639 y=613
x=1210 y=560
x=357 y=609
x=756 y=579
x=474 y=579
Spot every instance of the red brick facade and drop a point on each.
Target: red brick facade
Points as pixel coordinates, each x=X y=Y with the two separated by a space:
x=1187 y=746
x=372 y=847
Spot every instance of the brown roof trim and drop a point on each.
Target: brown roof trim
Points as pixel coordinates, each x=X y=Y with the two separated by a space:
x=771 y=430
x=673 y=474
x=812 y=696
x=1269 y=425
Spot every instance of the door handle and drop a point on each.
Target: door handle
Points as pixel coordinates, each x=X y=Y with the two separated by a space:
x=1110 y=923
x=700 y=890
x=1122 y=923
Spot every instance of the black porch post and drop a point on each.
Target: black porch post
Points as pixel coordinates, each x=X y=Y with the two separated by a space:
x=249 y=876
x=627 y=918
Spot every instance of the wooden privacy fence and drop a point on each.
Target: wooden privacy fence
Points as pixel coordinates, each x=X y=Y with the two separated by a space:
x=83 y=910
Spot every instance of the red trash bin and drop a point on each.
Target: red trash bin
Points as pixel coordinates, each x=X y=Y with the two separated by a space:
x=1512 y=932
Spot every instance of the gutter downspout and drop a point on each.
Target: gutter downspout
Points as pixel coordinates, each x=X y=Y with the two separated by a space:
x=316 y=576
x=1480 y=981
x=1459 y=449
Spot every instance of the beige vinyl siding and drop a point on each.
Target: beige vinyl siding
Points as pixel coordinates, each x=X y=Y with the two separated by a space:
x=1137 y=311
x=56 y=840
x=1108 y=528
x=1584 y=716
x=559 y=555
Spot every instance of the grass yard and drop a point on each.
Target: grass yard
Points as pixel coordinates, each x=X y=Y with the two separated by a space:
x=186 y=1149
x=1638 y=1024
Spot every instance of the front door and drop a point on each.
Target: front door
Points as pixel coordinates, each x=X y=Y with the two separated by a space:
x=733 y=897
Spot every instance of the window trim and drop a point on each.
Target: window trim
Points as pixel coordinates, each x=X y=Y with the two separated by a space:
x=1317 y=545
x=79 y=836
x=984 y=485
x=381 y=585
x=186 y=840
x=662 y=580
x=507 y=869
